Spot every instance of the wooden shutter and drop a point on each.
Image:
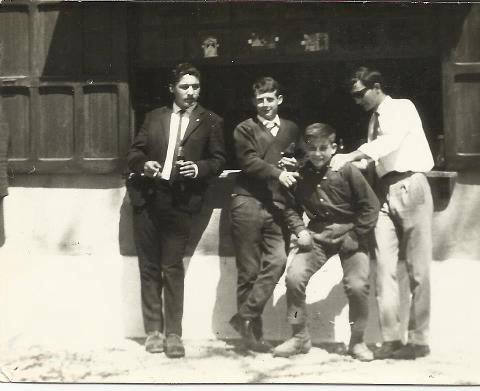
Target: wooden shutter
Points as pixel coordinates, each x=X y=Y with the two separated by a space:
x=461 y=79
x=63 y=74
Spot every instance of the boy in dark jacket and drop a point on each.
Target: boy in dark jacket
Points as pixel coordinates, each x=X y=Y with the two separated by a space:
x=342 y=209
x=257 y=223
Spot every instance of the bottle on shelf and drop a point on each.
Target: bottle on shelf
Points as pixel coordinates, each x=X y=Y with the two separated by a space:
x=440 y=161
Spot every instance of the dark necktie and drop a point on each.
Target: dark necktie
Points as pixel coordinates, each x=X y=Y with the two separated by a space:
x=376 y=125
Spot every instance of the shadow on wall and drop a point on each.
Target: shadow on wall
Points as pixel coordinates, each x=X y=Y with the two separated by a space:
x=211 y=236
x=456 y=229
x=204 y=227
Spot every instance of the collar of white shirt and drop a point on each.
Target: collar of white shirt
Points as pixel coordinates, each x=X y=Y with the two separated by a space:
x=383 y=105
x=265 y=122
x=188 y=111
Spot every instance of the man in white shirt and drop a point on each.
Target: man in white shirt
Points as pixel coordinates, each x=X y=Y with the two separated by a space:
x=399 y=149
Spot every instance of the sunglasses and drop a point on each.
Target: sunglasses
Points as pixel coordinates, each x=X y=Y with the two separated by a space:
x=360 y=94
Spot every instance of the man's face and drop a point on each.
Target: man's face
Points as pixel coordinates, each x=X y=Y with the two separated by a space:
x=186 y=91
x=267 y=104
x=365 y=97
x=320 y=151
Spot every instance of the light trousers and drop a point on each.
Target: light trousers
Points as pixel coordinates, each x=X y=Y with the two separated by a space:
x=405 y=223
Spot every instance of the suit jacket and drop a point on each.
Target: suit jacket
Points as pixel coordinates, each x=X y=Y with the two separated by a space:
x=258 y=153
x=202 y=143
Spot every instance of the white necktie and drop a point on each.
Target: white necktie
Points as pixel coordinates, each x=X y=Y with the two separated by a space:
x=272 y=127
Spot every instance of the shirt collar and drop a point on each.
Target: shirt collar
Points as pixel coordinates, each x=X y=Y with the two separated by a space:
x=324 y=171
x=177 y=108
x=265 y=121
x=383 y=105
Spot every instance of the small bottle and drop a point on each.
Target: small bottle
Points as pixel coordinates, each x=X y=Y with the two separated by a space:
x=178 y=162
x=180 y=155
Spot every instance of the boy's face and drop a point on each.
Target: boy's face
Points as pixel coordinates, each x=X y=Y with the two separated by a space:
x=267 y=104
x=186 y=91
x=320 y=151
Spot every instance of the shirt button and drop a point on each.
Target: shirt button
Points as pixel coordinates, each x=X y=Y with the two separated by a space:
x=319 y=186
x=327 y=213
x=321 y=199
x=324 y=177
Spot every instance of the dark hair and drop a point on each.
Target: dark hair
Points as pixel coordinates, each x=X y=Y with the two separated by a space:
x=266 y=84
x=319 y=131
x=181 y=70
x=368 y=77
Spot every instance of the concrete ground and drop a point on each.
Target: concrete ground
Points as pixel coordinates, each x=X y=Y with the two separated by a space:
x=63 y=320
x=216 y=361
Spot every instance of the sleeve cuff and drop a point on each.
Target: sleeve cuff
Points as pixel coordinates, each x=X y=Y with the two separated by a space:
x=369 y=150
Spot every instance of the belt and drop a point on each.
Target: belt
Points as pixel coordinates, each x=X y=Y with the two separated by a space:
x=395 y=176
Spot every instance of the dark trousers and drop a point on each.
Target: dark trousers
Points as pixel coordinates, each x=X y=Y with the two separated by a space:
x=259 y=244
x=161 y=233
x=356 y=269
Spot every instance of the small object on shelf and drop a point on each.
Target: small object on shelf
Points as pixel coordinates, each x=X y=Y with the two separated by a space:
x=210 y=47
x=257 y=41
x=315 y=42
x=440 y=161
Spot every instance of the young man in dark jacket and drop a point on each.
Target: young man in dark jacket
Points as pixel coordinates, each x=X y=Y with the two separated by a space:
x=257 y=228
x=177 y=150
x=343 y=210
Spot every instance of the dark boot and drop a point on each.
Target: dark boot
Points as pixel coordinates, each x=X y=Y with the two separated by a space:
x=387 y=349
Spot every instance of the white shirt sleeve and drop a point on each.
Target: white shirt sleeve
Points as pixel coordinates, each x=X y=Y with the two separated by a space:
x=394 y=125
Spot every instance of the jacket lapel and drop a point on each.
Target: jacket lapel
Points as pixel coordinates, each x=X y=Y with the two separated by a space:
x=194 y=122
x=165 y=126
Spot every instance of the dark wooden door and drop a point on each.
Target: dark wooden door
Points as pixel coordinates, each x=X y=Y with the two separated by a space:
x=461 y=80
x=63 y=78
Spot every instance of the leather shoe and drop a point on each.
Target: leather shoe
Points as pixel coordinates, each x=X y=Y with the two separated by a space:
x=361 y=352
x=245 y=328
x=292 y=346
x=411 y=351
x=260 y=346
x=174 y=346
x=257 y=327
x=387 y=349
x=154 y=342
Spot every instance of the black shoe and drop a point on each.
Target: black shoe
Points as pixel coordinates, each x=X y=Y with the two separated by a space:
x=154 y=342
x=411 y=351
x=260 y=346
x=257 y=327
x=245 y=328
x=387 y=349
x=174 y=346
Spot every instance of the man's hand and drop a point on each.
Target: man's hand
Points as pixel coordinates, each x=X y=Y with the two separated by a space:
x=188 y=169
x=152 y=168
x=338 y=161
x=304 y=240
x=287 y=178
x=289 y=163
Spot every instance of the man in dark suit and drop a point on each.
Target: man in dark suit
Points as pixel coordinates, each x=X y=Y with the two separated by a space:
x=257 y=228
x=177 y=149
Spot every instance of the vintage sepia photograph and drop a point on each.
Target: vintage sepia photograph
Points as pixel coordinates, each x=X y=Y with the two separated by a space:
x=239 y=192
